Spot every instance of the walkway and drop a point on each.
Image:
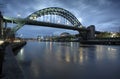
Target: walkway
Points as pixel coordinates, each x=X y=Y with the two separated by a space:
x=11 y=68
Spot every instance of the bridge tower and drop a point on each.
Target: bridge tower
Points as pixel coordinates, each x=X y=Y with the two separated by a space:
x=91 y=32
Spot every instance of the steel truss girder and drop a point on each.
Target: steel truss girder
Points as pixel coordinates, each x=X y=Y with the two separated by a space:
x=52 y=11
x=57 y=11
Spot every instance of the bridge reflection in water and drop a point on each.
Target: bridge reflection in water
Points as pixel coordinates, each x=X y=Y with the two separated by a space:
x=61 y=60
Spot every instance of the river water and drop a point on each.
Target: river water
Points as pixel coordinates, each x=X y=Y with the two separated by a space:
x=69 y=60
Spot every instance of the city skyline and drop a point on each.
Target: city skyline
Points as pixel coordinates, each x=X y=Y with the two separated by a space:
x=104 y=14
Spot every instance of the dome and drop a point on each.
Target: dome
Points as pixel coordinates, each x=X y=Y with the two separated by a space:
x=65 y=34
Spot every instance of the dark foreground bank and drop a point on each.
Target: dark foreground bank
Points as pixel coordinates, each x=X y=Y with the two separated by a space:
x=10 y=69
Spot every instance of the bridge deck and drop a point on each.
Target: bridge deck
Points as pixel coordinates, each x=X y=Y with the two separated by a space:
x=41 y=23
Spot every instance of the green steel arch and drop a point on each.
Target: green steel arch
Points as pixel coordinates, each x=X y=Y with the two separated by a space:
x=51 y=11
x=56 y=11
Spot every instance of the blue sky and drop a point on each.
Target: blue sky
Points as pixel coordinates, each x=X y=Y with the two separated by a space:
x=104 y=14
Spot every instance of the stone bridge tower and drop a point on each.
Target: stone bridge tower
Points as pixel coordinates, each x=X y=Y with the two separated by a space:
x=91 y=32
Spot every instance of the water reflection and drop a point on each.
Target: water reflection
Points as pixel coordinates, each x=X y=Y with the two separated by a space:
x=22 y=51
x=35 y=68
x=107 y=52
x=67 y=57
x=69 y=60
x=81 y=55
x=21 y=54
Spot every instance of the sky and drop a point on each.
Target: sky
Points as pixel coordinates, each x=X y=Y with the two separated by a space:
x=104 y=14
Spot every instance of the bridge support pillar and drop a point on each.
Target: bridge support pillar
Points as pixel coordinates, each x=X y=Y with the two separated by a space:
x=91 y=32
x=82 y=35
x=1 y=26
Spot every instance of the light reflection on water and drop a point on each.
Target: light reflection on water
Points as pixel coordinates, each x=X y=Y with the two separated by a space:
x=69 y=60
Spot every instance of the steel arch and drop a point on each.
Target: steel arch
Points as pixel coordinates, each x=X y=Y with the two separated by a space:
x=56 y=11
x=51 y=11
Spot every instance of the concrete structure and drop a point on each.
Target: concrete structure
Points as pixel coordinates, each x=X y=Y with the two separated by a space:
x=91 y=32
x=1 y=26
x=11 y=68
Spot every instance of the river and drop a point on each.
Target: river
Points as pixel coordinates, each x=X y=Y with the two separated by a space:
x=69 y=60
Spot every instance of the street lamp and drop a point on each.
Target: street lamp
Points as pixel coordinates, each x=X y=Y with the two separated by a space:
x=1 y=42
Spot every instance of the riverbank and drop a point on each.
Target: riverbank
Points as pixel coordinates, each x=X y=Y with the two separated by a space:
x=10 y=67
x=101 y=42
x=17 y=45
